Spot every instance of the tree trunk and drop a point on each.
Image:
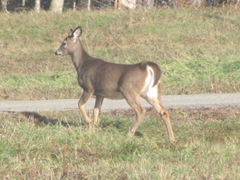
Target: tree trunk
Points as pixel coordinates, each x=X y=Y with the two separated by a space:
x=57 y=6
x=89 y=5
x=3 y=3
x=37 y=5
x=23 y=3
x=129 y=4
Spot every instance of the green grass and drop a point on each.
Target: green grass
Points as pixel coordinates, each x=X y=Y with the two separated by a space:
x=197 y=49
x=53 y=84
x=56 y=79
x=58 y=145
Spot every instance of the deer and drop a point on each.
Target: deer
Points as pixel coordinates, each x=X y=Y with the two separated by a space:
x=102 y=79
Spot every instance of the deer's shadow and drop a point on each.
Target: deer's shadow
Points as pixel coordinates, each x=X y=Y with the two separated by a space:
x=49 y=121
x=119 y=125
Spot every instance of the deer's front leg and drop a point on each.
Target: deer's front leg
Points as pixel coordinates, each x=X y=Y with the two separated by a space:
x=84 y=98
x=97 y=109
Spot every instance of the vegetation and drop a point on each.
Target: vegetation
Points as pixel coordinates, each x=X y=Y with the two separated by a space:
x=55 y=145
x=197 y=49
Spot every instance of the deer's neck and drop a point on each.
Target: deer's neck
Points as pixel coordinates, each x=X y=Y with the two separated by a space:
x=79 y=57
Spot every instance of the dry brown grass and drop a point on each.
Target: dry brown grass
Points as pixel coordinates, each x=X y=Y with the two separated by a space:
x=197 y=49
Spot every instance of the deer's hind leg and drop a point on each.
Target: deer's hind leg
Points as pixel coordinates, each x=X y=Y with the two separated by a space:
x=133 y=99
x=153 y=96
x=97 y=109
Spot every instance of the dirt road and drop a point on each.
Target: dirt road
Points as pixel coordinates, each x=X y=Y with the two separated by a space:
x=170 y=101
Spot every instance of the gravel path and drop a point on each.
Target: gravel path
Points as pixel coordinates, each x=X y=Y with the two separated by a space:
x=170 y=101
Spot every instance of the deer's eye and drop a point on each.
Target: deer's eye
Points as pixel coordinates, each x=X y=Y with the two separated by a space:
x=64 y=44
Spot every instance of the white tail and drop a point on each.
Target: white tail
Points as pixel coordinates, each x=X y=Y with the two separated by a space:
x=116 y=81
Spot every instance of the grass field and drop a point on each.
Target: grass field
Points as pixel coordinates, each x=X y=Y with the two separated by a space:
x=198 y=51
x=56 y=145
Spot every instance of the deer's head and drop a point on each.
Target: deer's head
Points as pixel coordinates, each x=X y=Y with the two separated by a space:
x=70 y=42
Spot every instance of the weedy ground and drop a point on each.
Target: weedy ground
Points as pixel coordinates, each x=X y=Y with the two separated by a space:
x=198 y=51
x=57 y=145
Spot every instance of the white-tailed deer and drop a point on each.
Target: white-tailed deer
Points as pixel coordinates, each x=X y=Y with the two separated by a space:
x=115 y=81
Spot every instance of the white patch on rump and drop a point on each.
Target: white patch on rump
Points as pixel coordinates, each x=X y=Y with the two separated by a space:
x=152 y=93
x=148 y=90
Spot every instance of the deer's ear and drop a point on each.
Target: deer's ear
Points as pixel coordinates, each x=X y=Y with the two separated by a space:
x=76 y=33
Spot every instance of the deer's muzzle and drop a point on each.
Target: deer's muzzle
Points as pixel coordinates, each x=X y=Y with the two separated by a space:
x=59 y=53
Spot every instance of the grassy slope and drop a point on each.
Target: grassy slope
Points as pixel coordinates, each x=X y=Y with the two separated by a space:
x=56 y=145
x=198 y=50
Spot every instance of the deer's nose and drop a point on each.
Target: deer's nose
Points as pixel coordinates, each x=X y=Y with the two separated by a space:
x=58 y=53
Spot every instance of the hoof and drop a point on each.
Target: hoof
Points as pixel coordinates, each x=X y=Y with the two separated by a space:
x=130 y=134
x=90 y=127
x=173 y=140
